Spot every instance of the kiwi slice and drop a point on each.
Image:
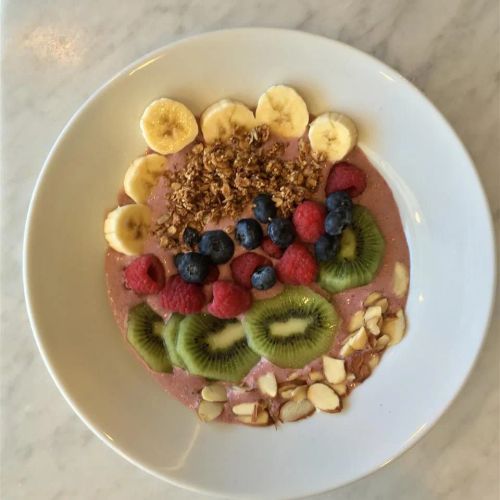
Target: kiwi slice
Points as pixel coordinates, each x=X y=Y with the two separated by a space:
x=359 y=257
x=144 y=329
x=292 y=328
x=215 y=348
x=169 y=334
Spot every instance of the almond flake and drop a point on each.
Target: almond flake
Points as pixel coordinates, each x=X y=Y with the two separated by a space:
x=372 y=325
x=340 y=389
x=323 y=397
x=359 y=340
x=215 y=393
x=292 y=411
x=400 y=279
x=373 y=361
x=356 y=321
x=334 y=369
x=373 y=312
x=246 y=409
x=383 y=303
x=261 y=418
x=299 y=393
x=394 y=327
x=372 y=298
x=382 y=342
x=316 y=376
x=293 y=376
x=267 y=384
x=346 y=350
x=351 y=377
x=208 y=411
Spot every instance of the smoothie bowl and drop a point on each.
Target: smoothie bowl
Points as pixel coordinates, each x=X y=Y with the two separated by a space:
x=407 y=235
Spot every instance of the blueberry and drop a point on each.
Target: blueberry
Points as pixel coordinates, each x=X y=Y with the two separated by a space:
x=177 y=259
x=281 y=232
x=263 y=278
x=191 y=237
x=339 y=199
x=217 y=245
x=248 y=233
x=264 y=208
x=194 y=267
x=337 y=220
x=326 y=248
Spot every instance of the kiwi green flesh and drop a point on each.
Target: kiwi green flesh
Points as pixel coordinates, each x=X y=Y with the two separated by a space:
x=144 y=329
x=292 y=328
x=215 y=348
x=169 y=333
x=358 y=265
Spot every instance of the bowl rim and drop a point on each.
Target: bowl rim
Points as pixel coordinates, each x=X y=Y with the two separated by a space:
x=150 y=58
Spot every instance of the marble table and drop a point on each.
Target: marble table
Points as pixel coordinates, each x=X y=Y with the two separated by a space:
x=55 y=54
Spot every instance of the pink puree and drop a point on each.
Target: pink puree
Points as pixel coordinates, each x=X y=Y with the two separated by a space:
x=184 y=387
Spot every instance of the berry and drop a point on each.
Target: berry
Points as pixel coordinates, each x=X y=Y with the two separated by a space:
x=145 y=275
x=338 y=199
x=217 y=245
x=337 y=220
x=281 y=232
x=177 y=259
x=193 y=267
x=346 y=177
x=264 y=278
x=309 y=221
x=229 y=300
x=213 y=274
x=248 y=233
x=181 y=297
x=326 y=248
x=191 y=237
x=271 y=249
x=264 y=208
x=243 y=266
x=297 y=266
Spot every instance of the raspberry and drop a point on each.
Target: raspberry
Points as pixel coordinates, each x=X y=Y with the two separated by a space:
x=309 y=221
x=145 y=275
x=271 y=248
x=297 y=266
x=346 y=177
x=181 y=297
x=243 y=266
x=213 y=274
x=229 y=300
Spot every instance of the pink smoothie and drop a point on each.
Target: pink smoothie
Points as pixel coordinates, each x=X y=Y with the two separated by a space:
x=185 y=387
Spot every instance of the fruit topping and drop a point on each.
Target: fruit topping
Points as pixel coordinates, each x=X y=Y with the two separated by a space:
x=401 y=279
x=264 y=278
x=243 y=266
x=271 y=248
x=142 y=175
x=338 y=199
x=264 y=208
x=281 y=232
x=309 y=221
x=326 y=248
x=213 y=274
x=191 y=237
x=229 y=300
x=248 y=233
x=337 y=220
x=169 y=333
x=217 y=245
x=297 y=266
x=346 y=177
x=194 y=267
x=145 y=275
x=181 y=297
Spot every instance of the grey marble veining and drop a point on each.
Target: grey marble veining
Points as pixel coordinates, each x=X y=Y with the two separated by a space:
x=55 y=54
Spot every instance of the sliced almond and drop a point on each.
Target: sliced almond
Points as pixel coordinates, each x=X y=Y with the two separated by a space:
x=240 y=390
x=373 y=312
x=346 y=350
x=215 y=393
x=261 y=418
x=247 y=409
x=395 y=328
x=383 y=303
x=208 y=411
x=359 y=340
x=373 y=361
x=293 y=376
x=372 y=325
x=382 y=342
x=350 y=377
x=286 y=390
x=334 y=369
x=323 y=397
x=292 y=411
x=401 y=279
x=267 y=384
x=299 y=393
x=340 y=389
x=372 y=298
x=316 y=376
x=356 y=321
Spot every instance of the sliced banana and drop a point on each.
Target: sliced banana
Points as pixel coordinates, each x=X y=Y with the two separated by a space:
x=168 y=126
x=221 y=119
x=126 y=228
x=142 y=175
x=283 y=109
x=334 y=134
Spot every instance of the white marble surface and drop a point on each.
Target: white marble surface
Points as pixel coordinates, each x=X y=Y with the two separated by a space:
x=54 y=56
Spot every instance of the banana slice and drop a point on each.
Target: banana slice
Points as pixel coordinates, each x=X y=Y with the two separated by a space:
x=168 y=126
x=126 y=228
x=283 y=110
x=142 y=175
x=221 y=119
x=333 y=134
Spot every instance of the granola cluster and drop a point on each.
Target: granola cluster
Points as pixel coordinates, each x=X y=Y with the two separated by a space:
x=221 y=179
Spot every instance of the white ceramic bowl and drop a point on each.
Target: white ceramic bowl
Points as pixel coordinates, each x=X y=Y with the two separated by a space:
x=446 y=221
